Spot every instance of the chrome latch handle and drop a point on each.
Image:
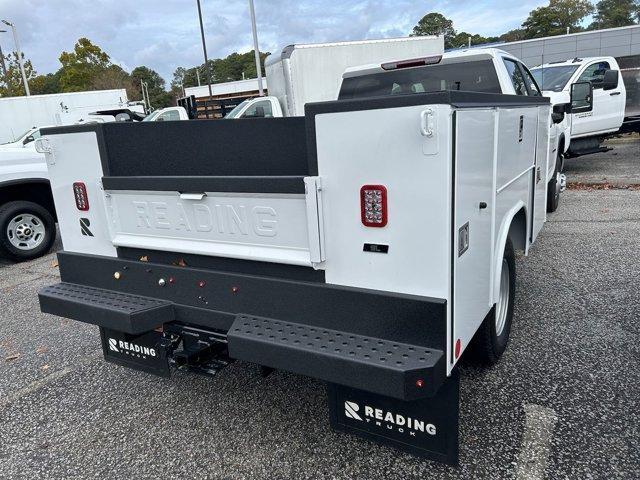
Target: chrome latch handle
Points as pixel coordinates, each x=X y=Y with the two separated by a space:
x=426 y=123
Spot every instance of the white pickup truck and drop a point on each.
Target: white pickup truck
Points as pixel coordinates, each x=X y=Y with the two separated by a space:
x=485 y=70
x=587 y=129
x=368 y=243
x=27 y=211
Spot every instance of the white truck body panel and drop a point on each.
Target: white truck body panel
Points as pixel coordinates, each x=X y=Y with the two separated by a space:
x=305 y=73
x=262 y=227
x=88 y=169
x=17 y=114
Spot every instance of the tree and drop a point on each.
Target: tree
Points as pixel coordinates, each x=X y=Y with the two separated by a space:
x=12 y=84
x=43 y=84
x=158 y=96
x=113 y=77
x=81 y=67
x=556 y=18
x=513 y=35
x=435 y=24
x=615 y=13
x=462 y=39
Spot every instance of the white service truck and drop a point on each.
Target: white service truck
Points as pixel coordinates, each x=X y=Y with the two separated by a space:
x=18 y=114
x=368 y=243
x=485 y=70
x=589 y=128
x=27 y=211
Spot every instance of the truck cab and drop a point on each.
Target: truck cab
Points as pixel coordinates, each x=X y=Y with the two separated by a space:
x=257 y=107
x=486 y=70
x=588 y=129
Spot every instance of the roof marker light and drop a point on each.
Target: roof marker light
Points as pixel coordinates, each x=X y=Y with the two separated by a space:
x=412 y=62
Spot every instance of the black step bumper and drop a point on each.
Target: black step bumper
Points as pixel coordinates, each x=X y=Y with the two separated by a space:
x=386 y=343
x=117 y=311
x=397 y=370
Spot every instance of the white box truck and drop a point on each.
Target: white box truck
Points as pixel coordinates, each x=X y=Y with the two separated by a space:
x=304 y=73
x=19 y=114
x=368 y=243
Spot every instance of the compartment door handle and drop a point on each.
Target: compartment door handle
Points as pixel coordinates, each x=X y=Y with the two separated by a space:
x=426 y=123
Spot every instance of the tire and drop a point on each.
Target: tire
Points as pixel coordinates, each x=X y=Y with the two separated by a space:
x=553 y=189
x=491 y=339
x=27 y=230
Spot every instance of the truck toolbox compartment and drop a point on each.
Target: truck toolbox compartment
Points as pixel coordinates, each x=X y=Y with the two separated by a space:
x=114 y=310
x=385 y=367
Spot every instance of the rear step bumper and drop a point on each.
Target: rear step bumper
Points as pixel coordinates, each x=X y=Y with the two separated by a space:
x=118 y=311
x=398 y=370
x=377 y=365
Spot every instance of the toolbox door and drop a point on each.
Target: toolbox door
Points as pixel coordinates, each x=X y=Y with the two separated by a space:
x=474 y=203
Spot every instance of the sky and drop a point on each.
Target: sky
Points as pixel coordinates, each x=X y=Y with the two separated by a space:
x=164 y=34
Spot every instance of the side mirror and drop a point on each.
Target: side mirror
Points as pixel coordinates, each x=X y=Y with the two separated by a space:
x=610 y=80
x=581 y=97
x=123 y=117
x=29 y=139
x=559 y=110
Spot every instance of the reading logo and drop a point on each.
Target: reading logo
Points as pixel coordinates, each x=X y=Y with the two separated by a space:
x=389 y=420
x=132 y=349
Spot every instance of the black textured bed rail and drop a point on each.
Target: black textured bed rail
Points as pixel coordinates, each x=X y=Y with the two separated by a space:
x=114 y=310
x=394 y=369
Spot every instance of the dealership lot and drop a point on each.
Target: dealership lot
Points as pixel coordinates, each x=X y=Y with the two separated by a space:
x=562 y=403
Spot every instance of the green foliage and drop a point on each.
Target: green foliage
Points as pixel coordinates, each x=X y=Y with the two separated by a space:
x=555 y=18
x=615 y=13
x=11 y=85
x=82 y=67
x=436 y=24
x=225 y=69
x=43 y=84
x=158 y=96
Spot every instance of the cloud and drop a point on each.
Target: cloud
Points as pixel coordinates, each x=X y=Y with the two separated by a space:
x=165 y=34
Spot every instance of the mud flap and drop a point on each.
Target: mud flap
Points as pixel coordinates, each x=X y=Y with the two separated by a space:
x=140 y=352
x=426 y=427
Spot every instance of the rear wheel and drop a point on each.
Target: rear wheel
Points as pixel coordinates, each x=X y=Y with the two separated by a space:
x=27 y=230
x=492 y=337
x=555 y=187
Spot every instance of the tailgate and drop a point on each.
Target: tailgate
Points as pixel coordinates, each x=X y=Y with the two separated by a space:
x=272 y=219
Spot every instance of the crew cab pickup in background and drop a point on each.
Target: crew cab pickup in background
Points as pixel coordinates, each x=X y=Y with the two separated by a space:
x=588 y=129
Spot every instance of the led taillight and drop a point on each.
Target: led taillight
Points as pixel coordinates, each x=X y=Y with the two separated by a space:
x=80 y=194
x=373 y=205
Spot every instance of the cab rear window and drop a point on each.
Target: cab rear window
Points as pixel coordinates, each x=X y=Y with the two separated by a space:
x=475 y=76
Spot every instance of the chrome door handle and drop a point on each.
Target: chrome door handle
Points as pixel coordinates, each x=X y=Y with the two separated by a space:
x=426 y=123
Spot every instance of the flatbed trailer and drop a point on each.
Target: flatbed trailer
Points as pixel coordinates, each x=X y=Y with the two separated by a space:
x=366 y=244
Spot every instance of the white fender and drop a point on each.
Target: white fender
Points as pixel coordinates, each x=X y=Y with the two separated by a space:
x=501 y=242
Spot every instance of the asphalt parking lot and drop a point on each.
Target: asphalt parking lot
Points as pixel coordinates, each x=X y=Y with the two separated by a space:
x=562 y=403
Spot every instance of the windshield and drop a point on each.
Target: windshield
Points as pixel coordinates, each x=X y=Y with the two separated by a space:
x=474 y=76
x=236 y=111
x=151 y=117
x=553 y=78
x=20 y=137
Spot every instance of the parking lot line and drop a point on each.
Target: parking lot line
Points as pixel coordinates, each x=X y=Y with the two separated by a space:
x=534 y=451
x=42 y=382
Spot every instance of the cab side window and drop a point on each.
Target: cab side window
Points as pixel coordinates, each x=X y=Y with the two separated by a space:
x=259 y=110
x=170 y=115
x=594 y=73
x=515 y=74
x=534 y=91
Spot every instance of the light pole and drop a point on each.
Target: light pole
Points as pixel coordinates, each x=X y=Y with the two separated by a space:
x=204 y=49
x=19 y=53
x=255 y=47
x=4 y=67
